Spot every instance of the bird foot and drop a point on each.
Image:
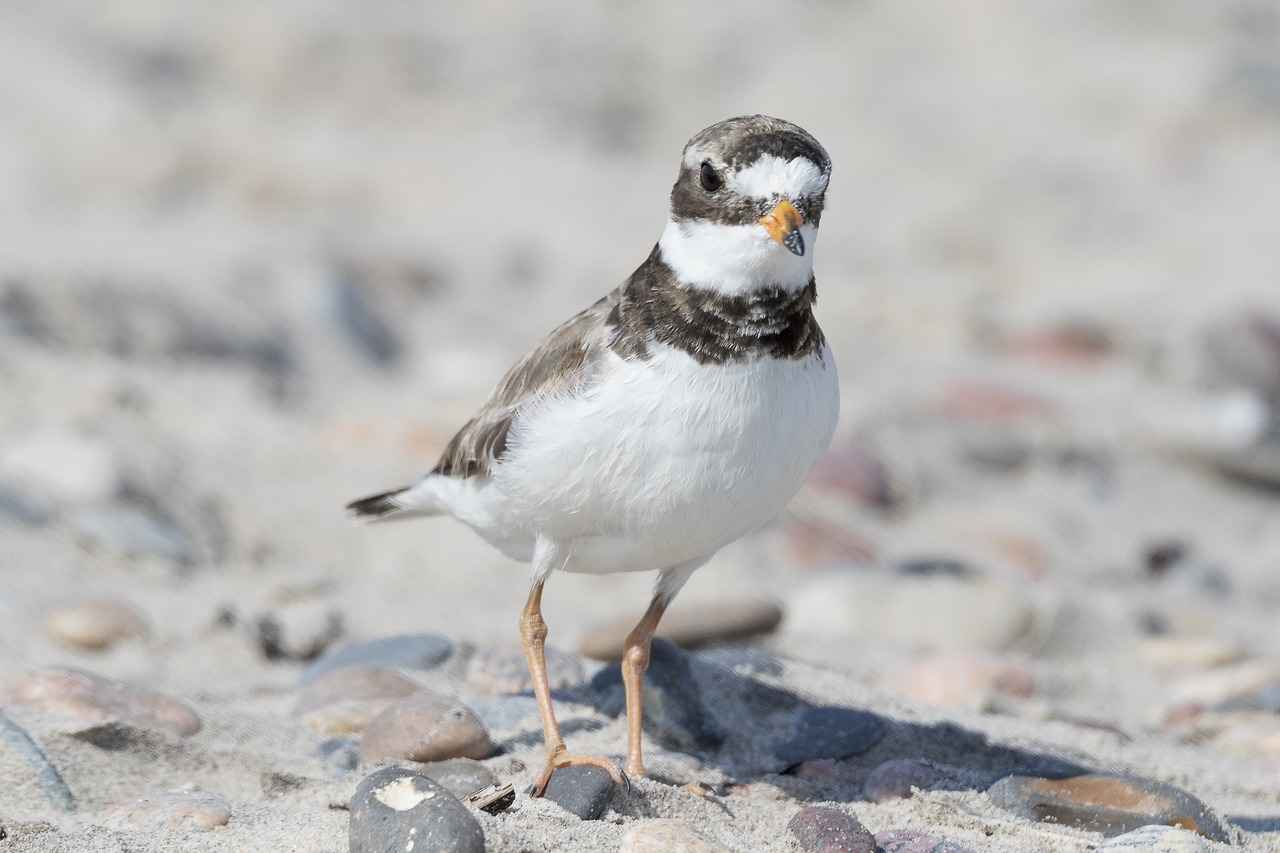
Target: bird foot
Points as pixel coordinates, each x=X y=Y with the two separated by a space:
x=565 y=758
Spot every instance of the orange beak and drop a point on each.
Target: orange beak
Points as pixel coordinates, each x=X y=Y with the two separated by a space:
x=783 y=224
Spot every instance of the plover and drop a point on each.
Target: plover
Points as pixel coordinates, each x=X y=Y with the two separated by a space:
x=675 y=415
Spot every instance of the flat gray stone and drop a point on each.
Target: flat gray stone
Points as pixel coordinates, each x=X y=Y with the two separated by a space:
x=403 y=651
x=395 y=809
x=581 y=789
x=829 y=732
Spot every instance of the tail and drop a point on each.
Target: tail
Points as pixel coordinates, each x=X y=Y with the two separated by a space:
x=388 y=505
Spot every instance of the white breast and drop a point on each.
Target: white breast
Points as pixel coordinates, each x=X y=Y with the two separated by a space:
x=664 y=460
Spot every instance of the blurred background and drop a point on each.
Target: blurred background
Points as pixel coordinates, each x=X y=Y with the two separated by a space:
x=258 y=259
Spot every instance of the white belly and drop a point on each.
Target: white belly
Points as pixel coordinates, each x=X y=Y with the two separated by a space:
x=660 y=462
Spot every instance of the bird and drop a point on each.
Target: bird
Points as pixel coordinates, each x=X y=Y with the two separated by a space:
x=677 y=414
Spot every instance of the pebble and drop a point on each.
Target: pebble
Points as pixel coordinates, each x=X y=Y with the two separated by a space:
x=357 y=316
x=977 y=609
x=912 y=841
x=92 y=623
x=63 y=466
x=46 y=774
x=507 y=713
x=298 y=630
x=665 y=836
x=1155 y=838
x=992 y=402
x=1219 y=686
x=822 y=829
x=829 y=771
x=852 y=472
x=185 y=810
x=17 y=507
x=338 y=755
x=347 y=699
x=895 y=779
x=404 y=651
x=425 y=727
x=1187 y=652
x=497 y=670
x=131 y=532
x=461 y=777
x=689 y=625
x=583 y=790
x=829 y=732
x=1110 y=804
x=395 y=809
x=673 y=708
x=83 y=695
x=961 y=678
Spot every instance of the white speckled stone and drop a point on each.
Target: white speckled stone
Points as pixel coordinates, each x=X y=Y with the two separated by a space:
x=1155 y=838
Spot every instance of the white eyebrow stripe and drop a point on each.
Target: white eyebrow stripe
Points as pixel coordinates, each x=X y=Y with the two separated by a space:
x=770 y=176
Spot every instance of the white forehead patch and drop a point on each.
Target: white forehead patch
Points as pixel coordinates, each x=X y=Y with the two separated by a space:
x=771 y=177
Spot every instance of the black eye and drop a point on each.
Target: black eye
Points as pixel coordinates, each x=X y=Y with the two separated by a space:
x=711 y=180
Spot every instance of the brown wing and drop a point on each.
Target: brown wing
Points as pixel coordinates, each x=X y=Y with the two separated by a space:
x=555 y=366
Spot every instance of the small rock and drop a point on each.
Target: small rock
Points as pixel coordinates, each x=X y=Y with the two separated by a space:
x=821 y=829
x=1073 y=344
x=425 y=727
x=1110 y=804
x=1191 y=653
x=15 y=506
x=347 y=699
x=1155 y=838
x=83 y=695
x=829 y=771
x=502 y=714
x=989 y=401
x=394 y=810
x=819 y=542
x=581 y=789
x=1264 y=700
x=976 y=608
x=853 y=472
x=186 y=810
x=92 y=623
x=673 y=708
x=63 y=466
x=494 y=671
x=405 y=651
x=689 y=625
x=338 y=755
x=665 y=836
x=461 y=777
x=46 y=774
x=131 y=532
x=895 y=779
x=356 y=314
x=911 y=841
x=962 y=678
x=298 y=630
x=829 y=732
x=1219 y=686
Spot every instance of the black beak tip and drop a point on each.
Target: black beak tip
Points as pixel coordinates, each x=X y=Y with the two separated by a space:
x=794 y=242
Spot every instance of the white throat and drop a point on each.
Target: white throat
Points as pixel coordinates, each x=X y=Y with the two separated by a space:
x=734 y=259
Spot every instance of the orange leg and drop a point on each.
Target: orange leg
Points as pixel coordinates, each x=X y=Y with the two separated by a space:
x=635 y=660
x=533 y=638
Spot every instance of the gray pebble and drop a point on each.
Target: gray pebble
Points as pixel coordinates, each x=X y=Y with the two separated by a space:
x=581 y=789
x=338 y=755
x=404 y=651
x=821 y=829
x=17 y=507
x=829 y=732
x=298 y=630
x=131 y=532
x=461 y=777
x=395 y=809
x=895 y=779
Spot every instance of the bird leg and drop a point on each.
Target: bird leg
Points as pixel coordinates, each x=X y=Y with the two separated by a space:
x=635 y=660
x=533 y=638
